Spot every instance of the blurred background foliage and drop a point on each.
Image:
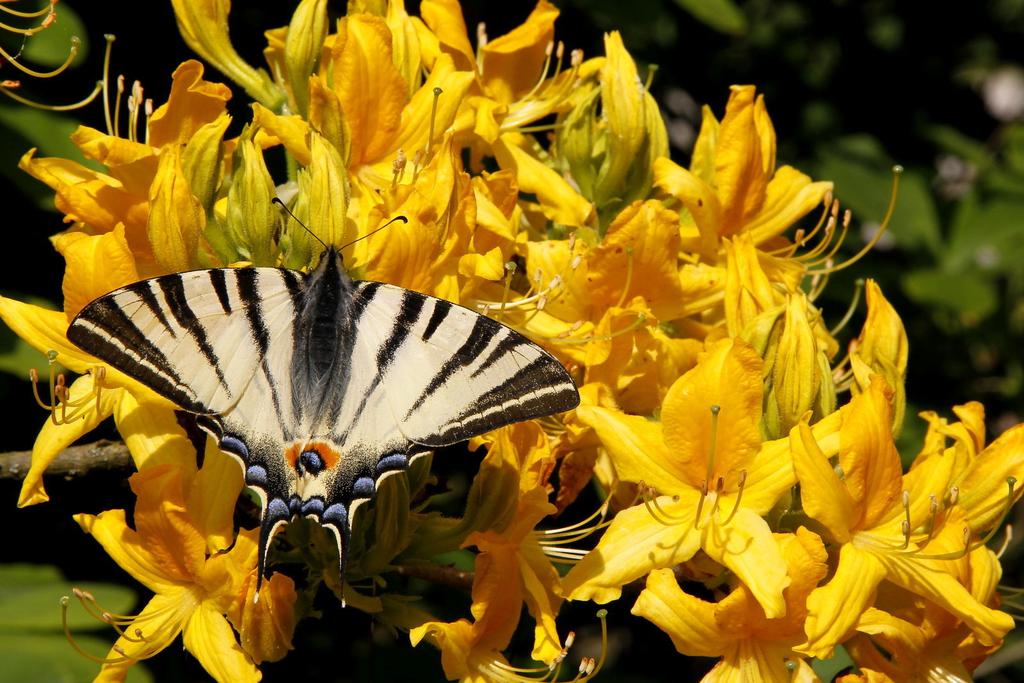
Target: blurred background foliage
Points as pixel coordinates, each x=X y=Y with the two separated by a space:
x=852 y=88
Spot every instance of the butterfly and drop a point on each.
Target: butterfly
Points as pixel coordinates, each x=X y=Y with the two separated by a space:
x=320 y=386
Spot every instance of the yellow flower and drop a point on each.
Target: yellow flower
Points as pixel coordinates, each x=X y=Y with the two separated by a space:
x=512 y=90
x=881 y=523
x=923 y=640
x=751 y=646
x=147 y=188
x=715 y=477
x=733 y=185
x=511 y=568
x=169 y=551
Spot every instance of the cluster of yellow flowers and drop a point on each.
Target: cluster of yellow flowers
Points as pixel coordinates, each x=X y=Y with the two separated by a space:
x=737 y=450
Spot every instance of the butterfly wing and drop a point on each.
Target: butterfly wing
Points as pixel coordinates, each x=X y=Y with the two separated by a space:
x=449 y=373
x=211 y=341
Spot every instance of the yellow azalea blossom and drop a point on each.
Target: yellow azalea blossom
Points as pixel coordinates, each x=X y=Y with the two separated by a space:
x=751 y=646
x=98 y=202
x=715 y=479
x=117 y=395
x=924 y=640
x=168 y=551
x=881 y=523
x=380 y=118
x=511 y=90
x=733 y=185
x=511 y=568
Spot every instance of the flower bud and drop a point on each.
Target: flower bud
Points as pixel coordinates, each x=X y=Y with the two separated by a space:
x=321 y=205
x=302 y=46
x=611 y=153
x=252 y=221
x=881 y=348
x=202 y=158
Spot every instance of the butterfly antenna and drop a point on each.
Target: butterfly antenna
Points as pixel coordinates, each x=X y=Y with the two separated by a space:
x=288 y=211
x=396 y=218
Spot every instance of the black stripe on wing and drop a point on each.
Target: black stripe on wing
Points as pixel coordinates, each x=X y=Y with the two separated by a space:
x=173 y=288
x=484 y=330
x=106 y=331
x=539 y=388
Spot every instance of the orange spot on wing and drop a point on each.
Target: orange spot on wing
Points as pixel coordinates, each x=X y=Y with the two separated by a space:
x=327 y=452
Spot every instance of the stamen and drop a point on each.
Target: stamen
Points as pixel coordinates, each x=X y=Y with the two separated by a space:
x=481 y=37
x=510 y=271
x=548 y=50
x=416 y=159
x=433 y=118
x=6 y=88
x=117 y=105
x=109 y=37
x=700 y=505
x=31 y=15
x=905 y=530
x=713 y=446
x=1007 y=539
x=739 y=496
x=854 y=301
x=148 y=111
x=629 y=277
x=76 y=42
x=397 y=168
x=897 y=171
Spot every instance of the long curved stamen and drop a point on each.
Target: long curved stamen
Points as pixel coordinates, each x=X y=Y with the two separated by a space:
x=854 y=301
x=110 y=38
x=897 y=172
x=510 y=271
x=29 y=15
x=20 y=99
x=739 y=496
x=700 y=505
x=548 y=51
x=844 y=229
x=76 y=42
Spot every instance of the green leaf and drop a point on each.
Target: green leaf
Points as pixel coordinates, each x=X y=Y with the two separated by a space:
x=49 y=48
x=30 y=600
x=721 y=15
x=49 y=132
x=986 y=236
x=969 y=294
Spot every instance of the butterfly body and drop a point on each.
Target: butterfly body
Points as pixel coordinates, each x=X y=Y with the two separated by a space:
x=320 y=386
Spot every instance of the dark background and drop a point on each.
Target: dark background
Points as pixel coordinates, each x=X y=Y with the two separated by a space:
x=852 y=87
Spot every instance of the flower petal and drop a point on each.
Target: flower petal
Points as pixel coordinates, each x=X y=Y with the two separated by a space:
x=131 y=551
x=96 y=265
x=192 y=103
x=160 y=622
x=872 y=470
x=53 y=438
x=727 y=376
x=635 y=544
x=823 y=494
x=833 y=609
x=209 y=637
x=688 y=620
x=636 y=448
x=745 y=545
x=558 y=200
x=512 y=63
